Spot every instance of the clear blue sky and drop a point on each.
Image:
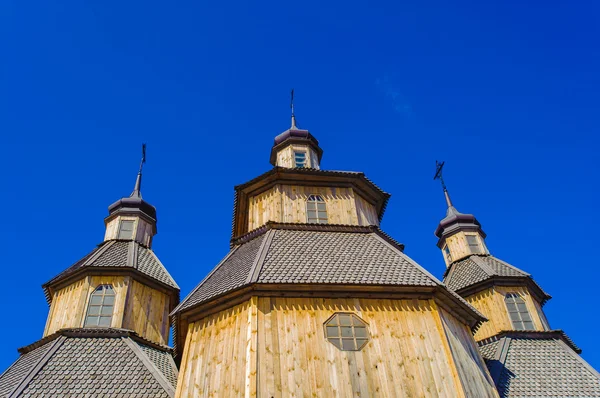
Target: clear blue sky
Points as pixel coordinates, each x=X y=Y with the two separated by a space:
x=507 y=93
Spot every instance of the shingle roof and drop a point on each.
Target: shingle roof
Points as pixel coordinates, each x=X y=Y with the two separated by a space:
x=478 y=268
x=14 y=374
x=293 y=254
x=539 y=364
x=121 y=254
x=88 y=362
x=337 y=258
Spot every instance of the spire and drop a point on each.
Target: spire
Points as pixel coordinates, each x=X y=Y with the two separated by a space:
x=293 y=115
x=438 y=176
x=137 y=189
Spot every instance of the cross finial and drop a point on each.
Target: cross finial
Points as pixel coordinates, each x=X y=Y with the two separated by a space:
x=292 y=108
x=438 y=176
x=137 y=189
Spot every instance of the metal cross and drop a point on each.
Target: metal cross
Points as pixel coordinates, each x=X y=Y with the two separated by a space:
x=438 y=173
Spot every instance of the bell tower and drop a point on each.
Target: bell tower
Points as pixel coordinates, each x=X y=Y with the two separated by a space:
x=121 y=283
x=459 y=235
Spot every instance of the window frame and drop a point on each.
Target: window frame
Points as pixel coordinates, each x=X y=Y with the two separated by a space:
x=99 y=315
x=316 y=199
x=477 y=244
x=447 y=254
x=305 y=163
x=521 y=319
x=341 y=337
x=121 y=222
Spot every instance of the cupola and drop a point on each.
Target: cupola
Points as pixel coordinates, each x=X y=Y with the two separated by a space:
x=460 y=235
x=296 y=147
x=132 y=218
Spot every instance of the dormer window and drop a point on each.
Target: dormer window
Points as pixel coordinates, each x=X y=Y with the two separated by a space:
x=474 y=244
x=316 y=210
x=100 y=307
x=299 y=159
x=517 y=311
x=447 y=254
x=125 y=230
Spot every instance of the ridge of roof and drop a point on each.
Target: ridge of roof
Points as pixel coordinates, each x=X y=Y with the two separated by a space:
x=150 y=365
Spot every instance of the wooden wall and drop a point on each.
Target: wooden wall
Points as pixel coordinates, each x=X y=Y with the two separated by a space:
x=285 y=157
x=366 y=212
x=147 y=313
x=472 y=371
x=142 y=230
x=490 y=303
x=69 y=305
x=276 y=347
x=215 y=358
x=459 y=247
x=287 y=203
x=137 y=307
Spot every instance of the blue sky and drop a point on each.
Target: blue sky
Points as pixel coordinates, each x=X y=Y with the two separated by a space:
x=507 y=93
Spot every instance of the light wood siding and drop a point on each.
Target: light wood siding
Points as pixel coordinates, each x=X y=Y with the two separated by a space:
x=142 y=230
x=69 y=304
x=218 y=355
x=490 y=303
x=472 y=371
x=287 y=203
x=367 y=215
x=276 y=347
x=459 y=247
x=147 y=313
x=285 y=157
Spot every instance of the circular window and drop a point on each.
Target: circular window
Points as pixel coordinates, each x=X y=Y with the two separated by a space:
x=347 y=332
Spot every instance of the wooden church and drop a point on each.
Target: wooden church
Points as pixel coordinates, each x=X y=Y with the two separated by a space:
x=312 y=300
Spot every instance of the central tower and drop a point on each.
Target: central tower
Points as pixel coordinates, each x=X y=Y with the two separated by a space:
x=313 y=299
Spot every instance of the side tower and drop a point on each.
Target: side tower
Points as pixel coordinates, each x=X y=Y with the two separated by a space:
x=315 y=300
x=108 y=325
x=524 y=355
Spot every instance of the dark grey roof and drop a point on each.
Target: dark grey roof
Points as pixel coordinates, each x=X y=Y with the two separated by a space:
x=303 y=254
x=121 y=254
x=539 y=364
x=478 y=268
x=163 y=360
x=22 y=366
x=91 y=362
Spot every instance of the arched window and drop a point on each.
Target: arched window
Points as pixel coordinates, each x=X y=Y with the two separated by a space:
x=316 y=211
x=100 y=307
x=347 y=332
x=517 y=310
